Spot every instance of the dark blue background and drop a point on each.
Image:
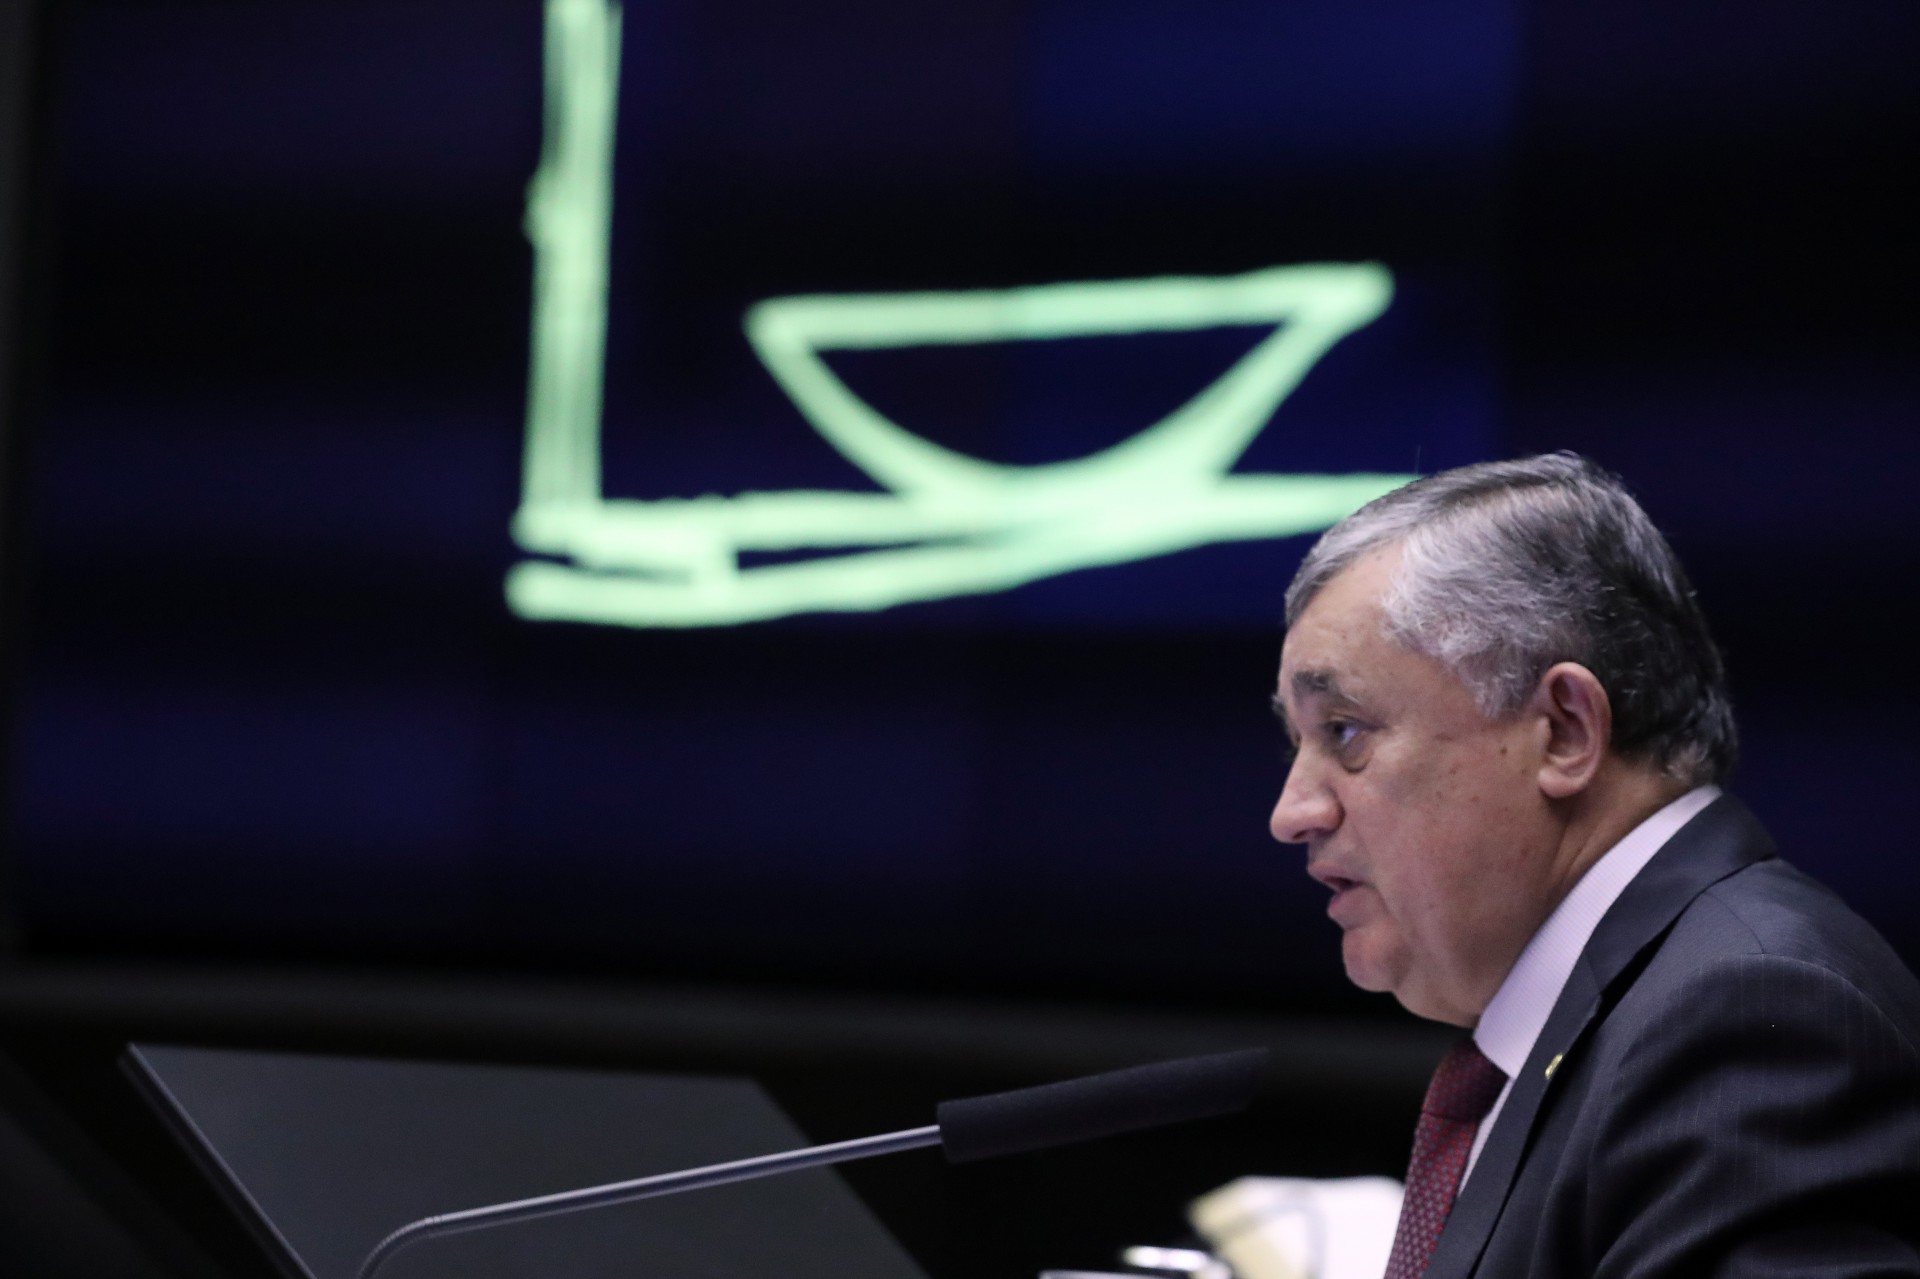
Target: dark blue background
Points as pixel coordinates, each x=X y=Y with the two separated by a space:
x=271 y=701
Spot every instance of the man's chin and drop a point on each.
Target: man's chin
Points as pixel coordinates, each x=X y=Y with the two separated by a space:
x=1365 y=968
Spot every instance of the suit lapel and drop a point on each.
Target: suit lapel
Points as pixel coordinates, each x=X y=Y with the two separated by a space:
x=1722 y=839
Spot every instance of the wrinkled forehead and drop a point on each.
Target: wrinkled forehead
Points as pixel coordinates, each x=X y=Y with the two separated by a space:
x=1324 y=666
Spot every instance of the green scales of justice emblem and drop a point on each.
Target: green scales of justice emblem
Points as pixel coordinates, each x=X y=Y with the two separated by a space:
x=948 y=523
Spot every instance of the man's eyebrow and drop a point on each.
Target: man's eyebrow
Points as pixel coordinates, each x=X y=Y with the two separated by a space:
x=1311 y=683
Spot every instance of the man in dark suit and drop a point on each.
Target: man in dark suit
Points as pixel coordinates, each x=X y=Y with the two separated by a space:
x=1686 y=1058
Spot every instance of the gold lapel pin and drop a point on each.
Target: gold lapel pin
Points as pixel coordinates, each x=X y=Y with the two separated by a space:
x=1555 y=1064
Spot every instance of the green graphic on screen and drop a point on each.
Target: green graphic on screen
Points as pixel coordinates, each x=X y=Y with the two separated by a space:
x=949 y=524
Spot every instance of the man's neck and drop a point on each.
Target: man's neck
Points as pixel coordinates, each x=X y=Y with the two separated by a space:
x=1622 y=796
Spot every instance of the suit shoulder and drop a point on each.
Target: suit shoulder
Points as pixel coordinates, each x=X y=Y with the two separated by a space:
x=1771 y=927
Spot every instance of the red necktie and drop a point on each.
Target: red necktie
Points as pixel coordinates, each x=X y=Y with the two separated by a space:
x=1464 y=1088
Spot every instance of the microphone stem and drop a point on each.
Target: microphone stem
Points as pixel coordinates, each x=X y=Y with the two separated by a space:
x=645 y=1188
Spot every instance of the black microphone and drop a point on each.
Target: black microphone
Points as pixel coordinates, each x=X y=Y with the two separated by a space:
x=1006 y=1123
x=1168 y=1092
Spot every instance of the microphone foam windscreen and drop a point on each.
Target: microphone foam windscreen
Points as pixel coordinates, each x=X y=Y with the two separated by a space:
x=1168 y=1092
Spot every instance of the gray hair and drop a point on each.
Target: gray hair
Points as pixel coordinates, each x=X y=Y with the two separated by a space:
x=1509 y=567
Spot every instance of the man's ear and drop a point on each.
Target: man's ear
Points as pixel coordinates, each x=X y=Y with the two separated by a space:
x=1579 y=728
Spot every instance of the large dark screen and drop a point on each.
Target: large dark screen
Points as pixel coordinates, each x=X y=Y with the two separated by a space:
x=736 y=487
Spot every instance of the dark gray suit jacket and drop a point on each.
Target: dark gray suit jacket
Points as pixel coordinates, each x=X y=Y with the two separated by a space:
x=1735 y=1088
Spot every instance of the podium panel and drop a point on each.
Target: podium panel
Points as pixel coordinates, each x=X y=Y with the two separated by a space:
x=324 y=1156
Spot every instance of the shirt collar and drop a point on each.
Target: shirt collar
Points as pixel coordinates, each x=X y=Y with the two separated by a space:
x=1519 y=1009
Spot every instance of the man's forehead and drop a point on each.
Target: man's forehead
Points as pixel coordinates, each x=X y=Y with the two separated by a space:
x=1339 y=634
x=1322 y=652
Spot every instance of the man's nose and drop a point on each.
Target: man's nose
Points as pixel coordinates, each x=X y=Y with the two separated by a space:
x=1306 y=808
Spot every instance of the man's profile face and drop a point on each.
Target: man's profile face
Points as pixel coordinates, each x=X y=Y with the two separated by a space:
x=1424 y=818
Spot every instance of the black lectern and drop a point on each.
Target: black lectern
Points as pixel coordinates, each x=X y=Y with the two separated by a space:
x=323 y=1156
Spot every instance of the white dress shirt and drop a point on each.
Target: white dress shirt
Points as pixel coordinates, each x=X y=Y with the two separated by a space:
x=1519 y=1009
